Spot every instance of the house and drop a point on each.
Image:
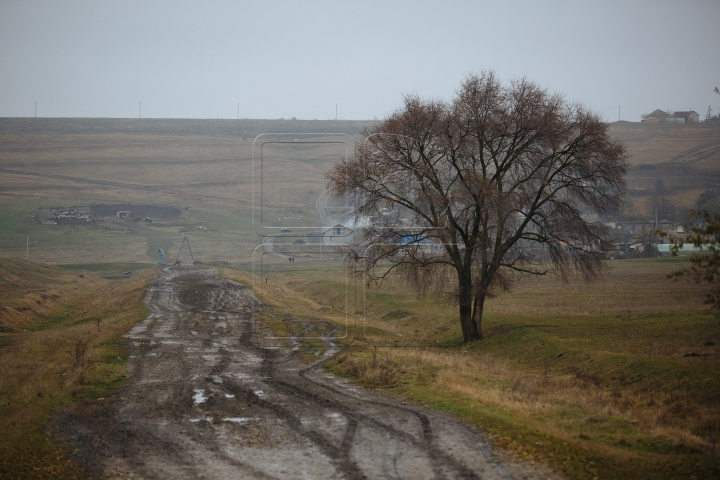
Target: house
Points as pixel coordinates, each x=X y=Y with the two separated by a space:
x=337 y=235
x=689 y=117
x=658 y=116
x=123 y=214
x=46 y=217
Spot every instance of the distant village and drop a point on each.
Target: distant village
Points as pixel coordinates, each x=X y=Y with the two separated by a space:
x=93 y=214
x=678 y=118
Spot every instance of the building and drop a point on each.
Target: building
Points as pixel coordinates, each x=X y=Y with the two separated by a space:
x=658 y=116
x=337 y=235
x=46 y=217
x=689 y=117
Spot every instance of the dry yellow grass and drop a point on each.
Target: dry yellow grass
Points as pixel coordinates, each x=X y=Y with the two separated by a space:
x=74 y=353
x=616 y=379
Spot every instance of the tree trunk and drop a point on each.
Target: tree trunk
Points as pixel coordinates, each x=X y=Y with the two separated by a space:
x=467 y=322
x=478 y=312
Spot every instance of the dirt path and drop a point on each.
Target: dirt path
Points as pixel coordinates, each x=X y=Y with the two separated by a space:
x=210 y=395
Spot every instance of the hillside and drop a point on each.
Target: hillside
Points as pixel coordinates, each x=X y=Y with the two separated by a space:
x=670 y=166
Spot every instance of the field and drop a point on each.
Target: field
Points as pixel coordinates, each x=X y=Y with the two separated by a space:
x=670 y=166
x=59 y=343
x=202 y=167
x=616 y=379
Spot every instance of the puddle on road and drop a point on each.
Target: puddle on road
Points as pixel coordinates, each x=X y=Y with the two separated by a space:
x=237 y=419
x=259 y=393
x=199 y=396
x=229 y=395
x=196 y=420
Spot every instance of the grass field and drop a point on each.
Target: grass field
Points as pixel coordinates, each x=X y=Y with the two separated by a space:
x=670 y=166
x=206 y=172
x=60 y=342
x=616 y=379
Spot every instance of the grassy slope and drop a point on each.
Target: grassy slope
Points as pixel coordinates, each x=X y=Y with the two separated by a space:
x=654 y=172
x=57 y=355
x=203 y=165
x=591 y=379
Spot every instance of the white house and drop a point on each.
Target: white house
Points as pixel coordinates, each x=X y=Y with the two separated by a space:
x=337 y=235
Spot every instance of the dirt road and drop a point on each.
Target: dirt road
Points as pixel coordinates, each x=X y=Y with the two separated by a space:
x=210 y=395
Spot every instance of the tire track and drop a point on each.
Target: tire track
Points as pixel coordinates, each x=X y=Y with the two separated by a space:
x=211 y=393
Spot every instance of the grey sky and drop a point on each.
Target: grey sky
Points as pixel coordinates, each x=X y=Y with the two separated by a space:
x=298 y=59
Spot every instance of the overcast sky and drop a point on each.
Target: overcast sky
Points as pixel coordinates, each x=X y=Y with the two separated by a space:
x=301 y=58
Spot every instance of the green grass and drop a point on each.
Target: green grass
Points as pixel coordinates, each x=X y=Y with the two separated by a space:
x=615 y=379
x=40 y=371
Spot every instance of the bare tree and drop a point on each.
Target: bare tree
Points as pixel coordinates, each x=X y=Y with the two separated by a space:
x=456 y=195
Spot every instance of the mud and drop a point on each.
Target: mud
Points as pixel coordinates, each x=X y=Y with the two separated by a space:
x=211 y=394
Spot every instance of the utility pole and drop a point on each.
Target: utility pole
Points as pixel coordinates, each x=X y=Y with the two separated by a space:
x=139 y=109
x=336 y=112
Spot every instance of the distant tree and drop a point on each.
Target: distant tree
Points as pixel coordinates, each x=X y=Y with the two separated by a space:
x=705 y=265
x=708 y=200
x=461 y=193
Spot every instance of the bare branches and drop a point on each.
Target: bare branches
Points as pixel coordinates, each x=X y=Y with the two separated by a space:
x=496 y=179
x=705 y=266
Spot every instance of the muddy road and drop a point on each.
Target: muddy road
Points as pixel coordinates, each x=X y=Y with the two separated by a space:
x=211 y=395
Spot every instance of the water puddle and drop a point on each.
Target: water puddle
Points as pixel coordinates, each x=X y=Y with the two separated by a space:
x=199 y=396
x=196 y=420
x=237 y=419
